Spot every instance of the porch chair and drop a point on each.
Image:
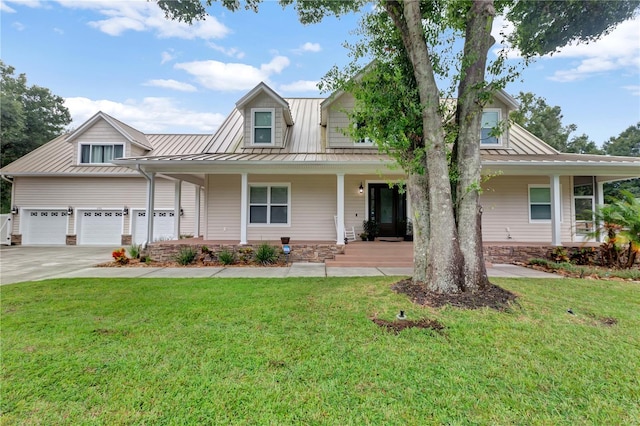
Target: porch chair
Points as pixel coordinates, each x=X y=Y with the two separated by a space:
x=349 y=234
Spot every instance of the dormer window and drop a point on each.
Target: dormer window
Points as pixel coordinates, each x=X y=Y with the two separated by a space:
x=100 y=153
x=362 y=141
x=263 y=132
x=490 y=125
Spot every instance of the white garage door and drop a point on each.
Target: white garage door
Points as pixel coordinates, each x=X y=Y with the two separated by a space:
x=99 y=227
x=44 y=227
x=163 y=226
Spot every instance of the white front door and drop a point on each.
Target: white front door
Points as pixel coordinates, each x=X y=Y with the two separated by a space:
x=44 y=227
x=99 y=227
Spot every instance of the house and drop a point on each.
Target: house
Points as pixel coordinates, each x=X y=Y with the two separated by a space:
x=285 y=167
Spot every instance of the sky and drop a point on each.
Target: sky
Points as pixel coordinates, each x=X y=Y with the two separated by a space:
x=124 y=58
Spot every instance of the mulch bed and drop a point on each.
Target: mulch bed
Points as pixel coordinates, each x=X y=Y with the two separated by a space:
x=399 y=325
x=492 y=297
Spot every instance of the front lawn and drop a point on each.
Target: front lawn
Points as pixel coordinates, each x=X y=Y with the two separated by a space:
x=305 y=351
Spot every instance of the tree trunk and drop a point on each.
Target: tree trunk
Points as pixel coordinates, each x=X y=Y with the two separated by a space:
x=419 y=214
x=445 y=262
x=478 y=40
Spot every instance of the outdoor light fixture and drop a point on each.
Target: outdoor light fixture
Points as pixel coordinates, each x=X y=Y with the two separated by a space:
x=361 y=189
x=14 y=210
x=125 y=211
x=70 y=211
x=181 y=211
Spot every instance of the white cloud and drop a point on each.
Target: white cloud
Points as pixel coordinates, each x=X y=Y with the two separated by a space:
x=58 y=30
x=167 y=56
x=5 y=8
x=171 y=84
x=217 y=75
x=18 y=26
x=231 y=51
x=143 y=15
x=151 y=115
x=308 y=47
x=28 y=3
x=300 y=86
x=635 y=90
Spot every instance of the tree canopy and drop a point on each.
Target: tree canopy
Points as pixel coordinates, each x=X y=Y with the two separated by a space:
x=31 y=116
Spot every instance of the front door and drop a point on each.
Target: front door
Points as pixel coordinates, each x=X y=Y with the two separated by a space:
x=388 y=207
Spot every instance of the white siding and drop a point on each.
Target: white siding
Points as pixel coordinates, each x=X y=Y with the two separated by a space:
x=338 y=121
x=505 y=204
x=264 y=101
x=102 y=132
x=100 y=192
x=222 y=209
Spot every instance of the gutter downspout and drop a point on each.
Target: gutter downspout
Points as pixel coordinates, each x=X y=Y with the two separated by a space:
x=150 y=203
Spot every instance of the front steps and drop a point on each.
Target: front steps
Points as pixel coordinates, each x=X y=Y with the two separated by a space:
x=375 y=254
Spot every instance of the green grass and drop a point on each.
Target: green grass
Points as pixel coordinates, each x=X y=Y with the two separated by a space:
x=303 y=351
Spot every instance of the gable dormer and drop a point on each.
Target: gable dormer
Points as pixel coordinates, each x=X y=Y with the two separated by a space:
x=102 y=138
x=496 y=115
x=333 y=116
x=266 y=117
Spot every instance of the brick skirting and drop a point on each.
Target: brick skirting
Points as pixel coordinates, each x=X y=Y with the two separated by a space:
x=312 y=253
x=510 y=254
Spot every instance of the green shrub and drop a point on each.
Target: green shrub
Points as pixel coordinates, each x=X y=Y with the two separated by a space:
x=134 y=251
x=226 y=257
x=186 y=255
x=266 y=254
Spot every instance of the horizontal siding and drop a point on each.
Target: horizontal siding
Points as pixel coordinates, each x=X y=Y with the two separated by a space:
x=94 y=193
x=337 y=121
x=222 y=210
x=505 y=204
x=264 y=101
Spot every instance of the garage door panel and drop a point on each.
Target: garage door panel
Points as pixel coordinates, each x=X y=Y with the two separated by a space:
x=99 y=227
x=44 y=227
x=163 y=226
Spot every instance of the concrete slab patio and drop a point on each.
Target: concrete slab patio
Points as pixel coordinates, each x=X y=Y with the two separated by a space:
x=19 y=264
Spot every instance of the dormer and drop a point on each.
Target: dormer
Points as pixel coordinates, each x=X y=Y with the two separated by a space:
x=496 y=115
x=334 y=117
x=266 y=117
x=102 y=138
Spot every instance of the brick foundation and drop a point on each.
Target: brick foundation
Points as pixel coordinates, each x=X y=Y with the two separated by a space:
x=312 y=253
x=125 y=240
x=510 y=254
x=16 y=239
x=71 y=240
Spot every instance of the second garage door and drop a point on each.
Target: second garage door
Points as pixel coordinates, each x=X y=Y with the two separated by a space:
x=99 y=227
x=163 y=226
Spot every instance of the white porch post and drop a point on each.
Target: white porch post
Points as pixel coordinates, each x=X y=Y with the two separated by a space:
x=556 y=207
x=244 y=189
x=196 y=223
x=599 y=202
x=151 y=190
x=340 y=209
x=176 y=208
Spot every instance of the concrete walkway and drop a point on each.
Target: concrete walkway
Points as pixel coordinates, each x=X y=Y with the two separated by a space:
x=19 y=264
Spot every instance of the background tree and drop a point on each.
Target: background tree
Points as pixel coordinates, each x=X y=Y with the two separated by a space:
x=30 y=116
x=449 y=235
x=626 y=144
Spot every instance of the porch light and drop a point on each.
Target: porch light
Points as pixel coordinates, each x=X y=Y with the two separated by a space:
x=14 y=210
x=70 y=211
x=361 y=189
x=181 y=211
x=125 y=211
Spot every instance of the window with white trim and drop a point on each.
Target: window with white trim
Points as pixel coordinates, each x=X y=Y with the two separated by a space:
x=490 y=125
x=100 y=153
x=269 y=204
x=263 y=131
x=540 y=203
x=365 y=141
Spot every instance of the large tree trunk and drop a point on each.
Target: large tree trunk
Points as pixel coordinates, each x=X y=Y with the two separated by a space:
x=445 y=262
x=478 y=40
x=419 y=195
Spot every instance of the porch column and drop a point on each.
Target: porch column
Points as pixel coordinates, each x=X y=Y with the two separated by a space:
x=244 y=197
x=196 y=223
x=556 y=206
x=599 y=202
x=340 y=210
x=176 y=208
x=151 y=190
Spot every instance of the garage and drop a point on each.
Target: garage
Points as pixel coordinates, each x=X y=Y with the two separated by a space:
x=163 y=226
x=44 y=227
x=99 y=227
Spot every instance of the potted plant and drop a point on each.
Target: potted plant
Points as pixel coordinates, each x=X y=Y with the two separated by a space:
x=285 y=240
x=363 y=236
x=371 y=228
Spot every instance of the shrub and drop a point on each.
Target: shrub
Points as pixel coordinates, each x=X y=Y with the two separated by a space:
x=134 y=251
x=226 y=257
x=186 y=255
x=120 y=256
x=266 y=254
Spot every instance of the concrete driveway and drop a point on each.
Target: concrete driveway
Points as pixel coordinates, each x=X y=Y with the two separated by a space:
x=18 y=263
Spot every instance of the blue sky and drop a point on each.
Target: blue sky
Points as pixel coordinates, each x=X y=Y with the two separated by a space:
x=124 y=58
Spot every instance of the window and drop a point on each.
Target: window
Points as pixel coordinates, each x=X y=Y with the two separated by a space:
x=362 y=141
x=540 y=203
x=490 y=125
x=269 y=204
x=263 y=126
x=98 y=154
